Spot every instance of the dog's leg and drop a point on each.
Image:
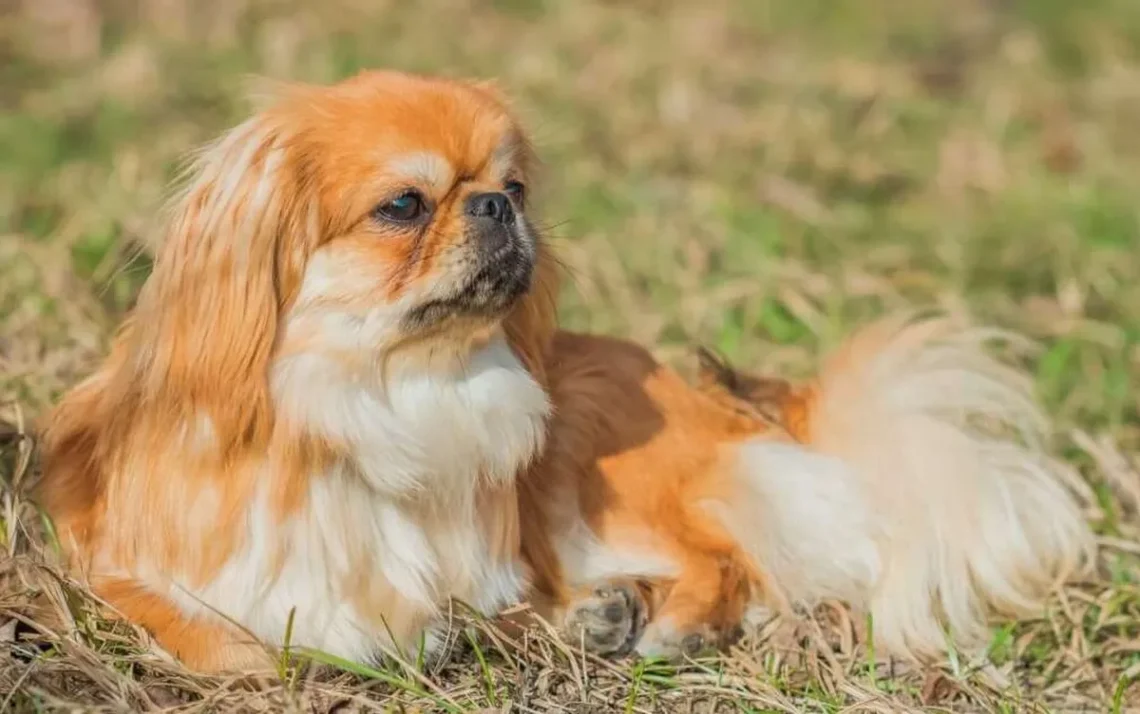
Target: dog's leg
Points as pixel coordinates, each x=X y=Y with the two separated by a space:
x=703 y=610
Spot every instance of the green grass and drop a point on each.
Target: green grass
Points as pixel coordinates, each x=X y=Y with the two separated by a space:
x=754 y=175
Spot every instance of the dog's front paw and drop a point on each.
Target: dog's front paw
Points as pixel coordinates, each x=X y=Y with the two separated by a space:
x=609 y=620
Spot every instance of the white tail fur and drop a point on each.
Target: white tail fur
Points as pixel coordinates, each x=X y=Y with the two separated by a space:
x=925 y=495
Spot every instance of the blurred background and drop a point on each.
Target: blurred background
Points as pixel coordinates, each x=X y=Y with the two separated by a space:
x=754 y=175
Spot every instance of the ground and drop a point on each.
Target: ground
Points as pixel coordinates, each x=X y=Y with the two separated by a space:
x=753 y=175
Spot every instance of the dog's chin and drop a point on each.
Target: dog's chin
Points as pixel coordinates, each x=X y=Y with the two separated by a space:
x=484 y=298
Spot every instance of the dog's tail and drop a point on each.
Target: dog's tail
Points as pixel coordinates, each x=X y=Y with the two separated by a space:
x=917 y=488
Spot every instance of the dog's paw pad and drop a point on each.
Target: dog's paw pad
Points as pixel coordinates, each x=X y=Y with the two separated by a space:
x=608 y=621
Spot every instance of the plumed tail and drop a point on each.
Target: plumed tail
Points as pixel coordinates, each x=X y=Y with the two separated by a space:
x=920 y=491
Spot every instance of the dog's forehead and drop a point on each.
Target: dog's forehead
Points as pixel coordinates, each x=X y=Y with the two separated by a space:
x=429 y=127
x=467 y=138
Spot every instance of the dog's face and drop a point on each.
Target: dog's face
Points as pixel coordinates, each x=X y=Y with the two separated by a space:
x=383 y=213
x=422 y=184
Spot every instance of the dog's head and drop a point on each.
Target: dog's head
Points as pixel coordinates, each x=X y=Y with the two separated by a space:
x=418 y=190
x=382 y=214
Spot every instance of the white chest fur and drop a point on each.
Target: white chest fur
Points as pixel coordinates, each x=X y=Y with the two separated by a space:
x=422 y=447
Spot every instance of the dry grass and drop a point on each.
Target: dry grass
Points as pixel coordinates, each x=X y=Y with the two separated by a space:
x=747 y=174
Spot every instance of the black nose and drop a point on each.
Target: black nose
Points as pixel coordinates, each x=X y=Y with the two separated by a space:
x=492 y=205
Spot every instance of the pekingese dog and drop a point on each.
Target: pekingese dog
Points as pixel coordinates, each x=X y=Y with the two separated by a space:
x=342 y=402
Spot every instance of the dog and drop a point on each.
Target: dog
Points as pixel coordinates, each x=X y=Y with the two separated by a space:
x=342 y=401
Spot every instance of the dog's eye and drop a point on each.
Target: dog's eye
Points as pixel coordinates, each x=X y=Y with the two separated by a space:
x=516 y=190
x=405 y=207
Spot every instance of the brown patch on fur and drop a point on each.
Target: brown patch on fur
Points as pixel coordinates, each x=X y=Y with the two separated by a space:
x=635 y=450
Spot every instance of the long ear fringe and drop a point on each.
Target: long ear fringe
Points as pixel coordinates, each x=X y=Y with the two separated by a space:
x=229 y=257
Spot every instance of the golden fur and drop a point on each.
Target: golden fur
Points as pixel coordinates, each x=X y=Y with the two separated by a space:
x=247 y=436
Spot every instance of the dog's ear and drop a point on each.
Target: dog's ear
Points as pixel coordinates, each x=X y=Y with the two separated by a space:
x=532 y=323
x=232 y=258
